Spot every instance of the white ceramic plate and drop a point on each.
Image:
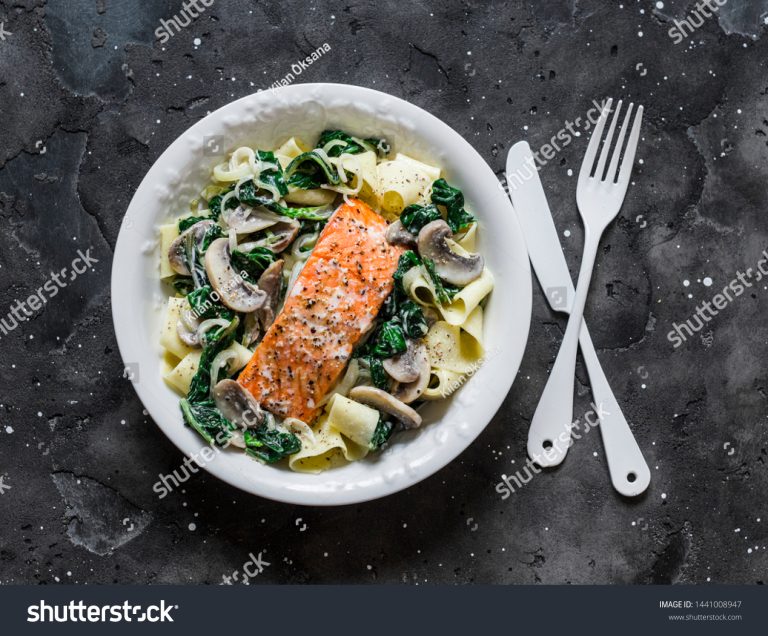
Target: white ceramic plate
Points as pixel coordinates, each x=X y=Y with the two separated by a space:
x=265 y=120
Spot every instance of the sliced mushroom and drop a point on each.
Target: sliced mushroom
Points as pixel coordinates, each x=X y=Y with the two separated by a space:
x=238 y=405
x=252 y=329
x=386 y=403
x=282 y=235
x=452 y=267
x=177 y=252
x=398 y=235
x=235 y=292
x=407 y=366
x=270 y=282
x=245 y=220
x=187 y=327
x=412 y=391
x=411 y=370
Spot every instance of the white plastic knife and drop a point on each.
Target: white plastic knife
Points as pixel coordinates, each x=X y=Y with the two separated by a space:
x=630 y=474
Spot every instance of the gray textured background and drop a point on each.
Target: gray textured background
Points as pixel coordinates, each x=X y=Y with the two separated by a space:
x=89 y=99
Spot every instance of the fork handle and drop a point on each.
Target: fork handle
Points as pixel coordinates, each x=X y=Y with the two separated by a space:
x=549 y=436
x=630 y=474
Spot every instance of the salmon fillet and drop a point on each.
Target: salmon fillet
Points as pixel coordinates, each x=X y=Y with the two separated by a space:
x=333 y=302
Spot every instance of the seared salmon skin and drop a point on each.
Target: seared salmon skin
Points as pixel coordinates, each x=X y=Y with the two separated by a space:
x=332 y=304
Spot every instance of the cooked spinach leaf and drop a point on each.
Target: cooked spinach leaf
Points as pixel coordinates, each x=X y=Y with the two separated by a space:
x=389 y=340
x=313 y=168
x=379 y=376
x=382 y=146
x=445 y=291
x=272 y=178
x=453 y=199
x=188 y=222
x=402 y=318
x=206 y=419
x=214 y=205
x=253 y=263
x=347 y=144
x=194 y=254
x=319 y=213
x=194 y=261
x=183 y=285
x=303 y=181
x=215 y=342
x=415 y=217
x=270 y=444
x=249 y=194
x=413 y=320
x=253 y=197
x=206 y=307
x=211 y=234
x=408 y=260
x=381 y=434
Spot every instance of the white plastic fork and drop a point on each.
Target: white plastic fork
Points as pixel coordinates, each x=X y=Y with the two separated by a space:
x=599 y=199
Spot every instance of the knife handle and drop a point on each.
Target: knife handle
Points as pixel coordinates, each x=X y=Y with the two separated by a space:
x=549 y=436
x=630 y=474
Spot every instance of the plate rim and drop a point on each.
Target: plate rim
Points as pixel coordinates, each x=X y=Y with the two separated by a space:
x=301 y=497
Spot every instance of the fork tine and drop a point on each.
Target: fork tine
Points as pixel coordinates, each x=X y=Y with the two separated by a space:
x=629 y=155
x=607 y=144
x=611 y=176
x=594 y=143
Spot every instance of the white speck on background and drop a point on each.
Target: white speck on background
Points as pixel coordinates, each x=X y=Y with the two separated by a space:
x=707 y=281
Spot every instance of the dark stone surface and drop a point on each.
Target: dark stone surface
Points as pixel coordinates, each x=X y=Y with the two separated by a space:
x=83 y=84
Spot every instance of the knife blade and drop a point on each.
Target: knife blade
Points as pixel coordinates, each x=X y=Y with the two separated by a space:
x=535 y=218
